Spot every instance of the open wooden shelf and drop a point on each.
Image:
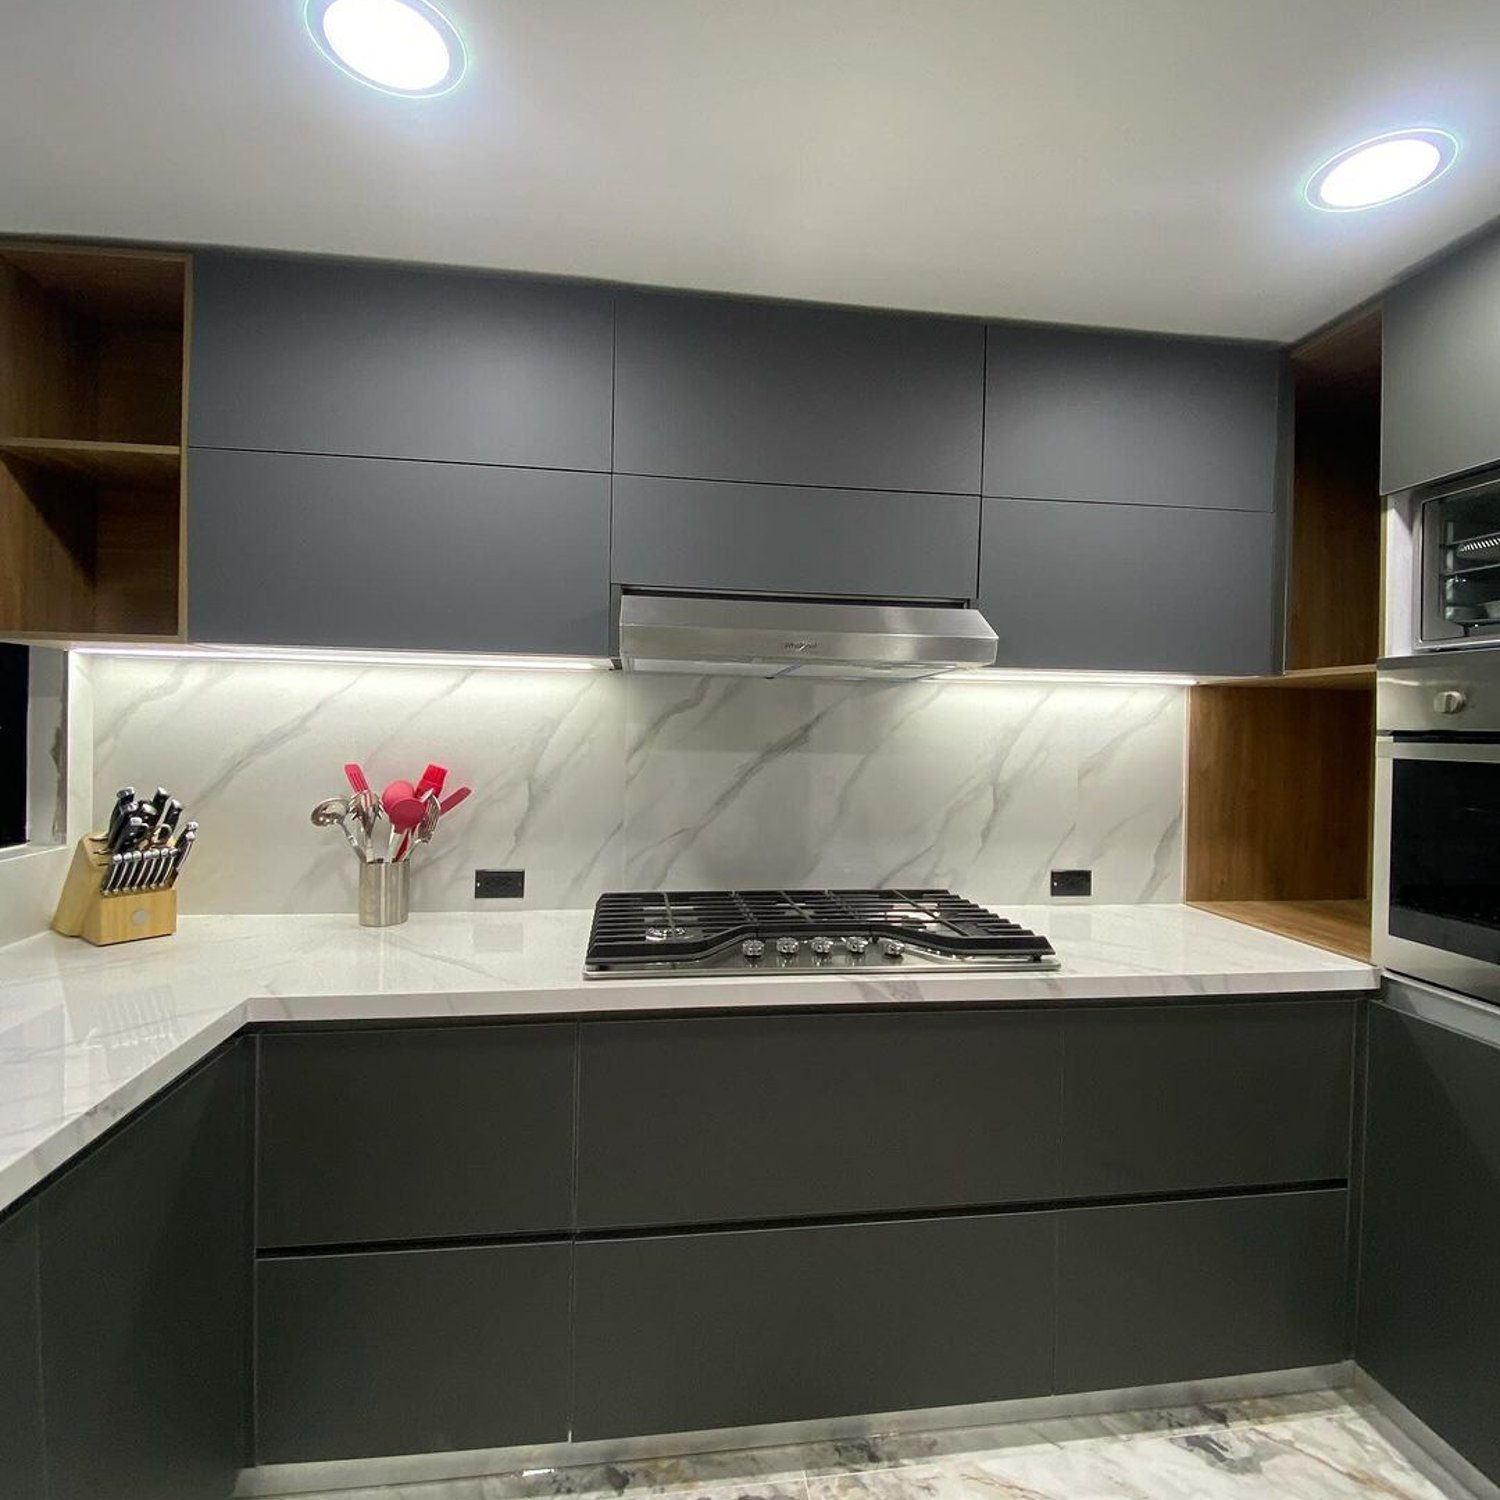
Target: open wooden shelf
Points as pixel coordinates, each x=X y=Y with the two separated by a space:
x=125 y=464
x=1339 y=926
x=1353 y=677
x=92 y=351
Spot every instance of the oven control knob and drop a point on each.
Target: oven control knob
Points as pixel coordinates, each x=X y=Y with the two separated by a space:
x=821 y=947
x=892 y=949
x=787 y=946
x=753 y=949
x=1451 y=701
x=856 y=945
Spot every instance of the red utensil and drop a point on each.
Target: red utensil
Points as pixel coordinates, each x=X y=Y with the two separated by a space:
x=432 y=781
x=402 y=805
x=449 y=803
x=356 y=777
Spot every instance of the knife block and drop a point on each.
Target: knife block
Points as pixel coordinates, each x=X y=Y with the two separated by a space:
x=84 y=911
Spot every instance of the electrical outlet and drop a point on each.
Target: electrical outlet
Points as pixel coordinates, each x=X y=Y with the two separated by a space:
x=1072 y=882
x=491 y=883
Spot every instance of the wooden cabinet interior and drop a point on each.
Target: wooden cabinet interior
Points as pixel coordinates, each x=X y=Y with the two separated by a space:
x=1280 y=768
x=91 y=409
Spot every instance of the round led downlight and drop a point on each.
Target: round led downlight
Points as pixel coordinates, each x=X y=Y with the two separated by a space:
x=1381 y=170
x=406 y=47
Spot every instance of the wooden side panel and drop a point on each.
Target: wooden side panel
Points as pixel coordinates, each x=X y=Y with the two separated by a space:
x=1278 y=794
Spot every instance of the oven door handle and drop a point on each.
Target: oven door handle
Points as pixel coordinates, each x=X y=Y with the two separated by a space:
x=1443 y=750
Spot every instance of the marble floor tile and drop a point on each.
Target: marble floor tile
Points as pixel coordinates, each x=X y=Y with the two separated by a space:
x=1317 y=1446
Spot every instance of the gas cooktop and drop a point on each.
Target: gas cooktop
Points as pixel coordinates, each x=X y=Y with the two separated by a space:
x=638 y=933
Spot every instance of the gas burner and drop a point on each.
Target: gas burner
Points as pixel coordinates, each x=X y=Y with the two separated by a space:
x=639 y=933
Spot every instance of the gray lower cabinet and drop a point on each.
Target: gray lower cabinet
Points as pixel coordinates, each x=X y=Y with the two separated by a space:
x=1440 y=369
x=22 y=1471
x=785 y=393
x=1429 y=1303
x=301 y=356
x=782 y=539
x=1163 y=1099
x=286 y=549
x=411 y=1351
x=1142 y=419
x=684 y=1332
x=727 y=1119
x=145 y=1300
x=414 y=1133
x=1160 y=1292
x=1128 y=587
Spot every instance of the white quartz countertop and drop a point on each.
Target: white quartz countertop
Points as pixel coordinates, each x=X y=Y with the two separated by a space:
x=87 y=1034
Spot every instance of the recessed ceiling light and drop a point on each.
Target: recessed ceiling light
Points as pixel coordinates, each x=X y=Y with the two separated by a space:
x=401 y=46
x=1376 y=171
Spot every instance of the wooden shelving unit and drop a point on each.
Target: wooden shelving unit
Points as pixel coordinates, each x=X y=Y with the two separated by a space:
x=92 y=352
x=1280 y=768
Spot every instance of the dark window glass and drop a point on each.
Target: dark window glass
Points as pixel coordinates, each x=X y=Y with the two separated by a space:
x=13 y=696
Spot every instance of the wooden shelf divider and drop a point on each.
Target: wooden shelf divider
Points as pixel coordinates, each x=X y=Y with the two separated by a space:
x=122 y=464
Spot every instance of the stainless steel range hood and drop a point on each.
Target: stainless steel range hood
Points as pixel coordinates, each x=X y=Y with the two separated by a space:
x=780 y=637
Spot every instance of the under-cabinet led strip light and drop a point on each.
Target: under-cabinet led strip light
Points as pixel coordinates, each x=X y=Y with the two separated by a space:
x=354 y=658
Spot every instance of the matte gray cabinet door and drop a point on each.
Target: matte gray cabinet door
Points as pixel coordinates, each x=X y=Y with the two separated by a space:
x=411 y=1351
x=416 y=1133
x=1185 y=1097
x=1429 y=1305
x=285 y=549
x=683 y=1332
x=1076 y=414
x=1440 y=370
x=780 y=539
x=22 y=1474
x=730 y=1119
x=1128 y=587
x=304 y=356
x=723 y=388
x=145 y=1301
x=1157 y=1292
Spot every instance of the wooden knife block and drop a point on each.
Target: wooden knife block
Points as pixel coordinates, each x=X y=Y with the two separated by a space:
x=83 y=911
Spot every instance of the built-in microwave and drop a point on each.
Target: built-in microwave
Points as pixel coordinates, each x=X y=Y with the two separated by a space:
x=1460 y=565
x=1436 y=879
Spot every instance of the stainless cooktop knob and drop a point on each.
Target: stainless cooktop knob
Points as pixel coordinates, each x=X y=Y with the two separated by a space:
x=1451 y=701
x=753 y=949
x=821 y=947
x=891 y=948
x=856 y=945
x=787 y=946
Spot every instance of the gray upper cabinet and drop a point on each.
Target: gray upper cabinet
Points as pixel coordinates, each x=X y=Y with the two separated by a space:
x=290 y=549
x=1440 y=368
x=414 y=1133
x=1139 y=419
x=304 y=356
x=721 y=388
x=1129 y=587
x=21 y=1466
x=780 y=539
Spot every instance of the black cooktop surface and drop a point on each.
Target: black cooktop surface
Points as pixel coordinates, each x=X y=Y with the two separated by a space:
x=648 y=931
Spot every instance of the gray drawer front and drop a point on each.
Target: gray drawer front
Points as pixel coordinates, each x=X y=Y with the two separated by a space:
x=389 y=362
x=1181 y=1098
x=414 y=1134
x=719 y=388
x=780 y=539
x=1077 y=414
x=285 y=549
x=1159 y=1292
x=1440 y=370
x=1128 y=587
x=411 y=1351
x=725 y=1120
x=685 y=1332
x=21 y=1469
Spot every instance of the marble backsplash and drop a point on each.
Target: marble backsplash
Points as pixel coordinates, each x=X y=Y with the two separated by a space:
x=594 y=780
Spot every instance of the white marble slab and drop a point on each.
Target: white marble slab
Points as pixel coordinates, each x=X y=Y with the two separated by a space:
x=87 y=1034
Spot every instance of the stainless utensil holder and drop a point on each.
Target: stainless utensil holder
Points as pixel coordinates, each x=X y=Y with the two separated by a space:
x=384 y=893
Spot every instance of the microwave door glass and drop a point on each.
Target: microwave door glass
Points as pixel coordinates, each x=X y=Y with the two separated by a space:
x=1445 y=855
x=1468 y=562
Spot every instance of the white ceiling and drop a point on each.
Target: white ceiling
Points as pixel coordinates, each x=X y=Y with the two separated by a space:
x=1125 y=162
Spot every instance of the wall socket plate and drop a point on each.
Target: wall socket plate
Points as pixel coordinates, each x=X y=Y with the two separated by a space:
x=1072 y=882
x=489 y=884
